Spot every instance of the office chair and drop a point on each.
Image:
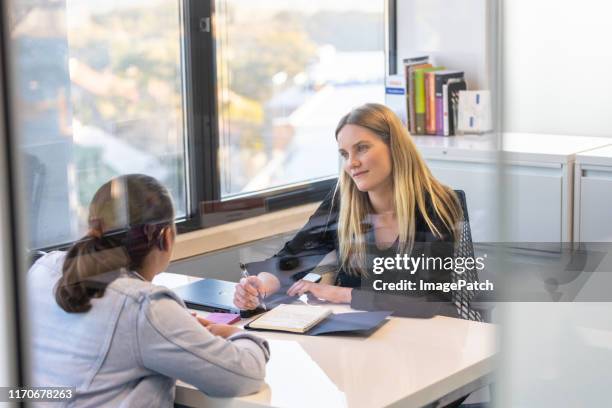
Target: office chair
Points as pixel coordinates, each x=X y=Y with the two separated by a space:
x=464 y=248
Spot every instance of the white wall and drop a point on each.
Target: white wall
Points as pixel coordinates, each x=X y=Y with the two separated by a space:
x=556 y=57
x=557 y=64
x=454 y=32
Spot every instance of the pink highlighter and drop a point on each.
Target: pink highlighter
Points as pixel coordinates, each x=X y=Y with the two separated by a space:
x=223 y=318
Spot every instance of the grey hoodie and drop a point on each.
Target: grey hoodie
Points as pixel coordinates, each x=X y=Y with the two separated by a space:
x=133 y=344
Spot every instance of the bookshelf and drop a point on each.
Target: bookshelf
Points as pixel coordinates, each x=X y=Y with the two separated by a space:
x=459 y=36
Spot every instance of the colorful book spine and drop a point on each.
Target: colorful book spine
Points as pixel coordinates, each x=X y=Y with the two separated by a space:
x=409 y=65
x=445 y=129
x=412 y=96
x=419 y=98
x=430 y=103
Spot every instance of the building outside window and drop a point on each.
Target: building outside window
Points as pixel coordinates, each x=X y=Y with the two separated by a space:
x=286 y=73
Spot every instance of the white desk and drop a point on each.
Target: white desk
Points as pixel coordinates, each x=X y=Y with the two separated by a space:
x=532 y=173
x=406 y=362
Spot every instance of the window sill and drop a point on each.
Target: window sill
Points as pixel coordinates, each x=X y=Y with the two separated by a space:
x=241 y=232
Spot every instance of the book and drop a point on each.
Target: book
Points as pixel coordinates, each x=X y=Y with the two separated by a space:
x=474 y=112
x=453 y=104
x=445 y=123
x=409 y=65
x=223 y=318
x=430 y=101
x=291 y=318
x=441 y=78
x=411 y=96
x=395 y=96
x=421 y=59
x=419 y=97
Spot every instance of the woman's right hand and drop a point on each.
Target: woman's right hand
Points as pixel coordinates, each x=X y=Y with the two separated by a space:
x=246 y=295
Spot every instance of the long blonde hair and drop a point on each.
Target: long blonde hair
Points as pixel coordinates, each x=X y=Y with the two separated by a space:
x=413 y=184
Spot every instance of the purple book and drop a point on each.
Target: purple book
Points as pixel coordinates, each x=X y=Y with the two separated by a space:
x=223 y=318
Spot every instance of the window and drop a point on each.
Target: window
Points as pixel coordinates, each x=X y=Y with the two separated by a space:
x=100 y=93
x=242 y=104
x=286 y=73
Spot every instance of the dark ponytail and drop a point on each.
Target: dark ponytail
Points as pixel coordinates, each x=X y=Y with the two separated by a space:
x=127 y=218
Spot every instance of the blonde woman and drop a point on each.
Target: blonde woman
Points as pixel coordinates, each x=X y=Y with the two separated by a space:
x=386 y=203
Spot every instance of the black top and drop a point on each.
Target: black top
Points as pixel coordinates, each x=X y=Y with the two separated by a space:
x=319 y=237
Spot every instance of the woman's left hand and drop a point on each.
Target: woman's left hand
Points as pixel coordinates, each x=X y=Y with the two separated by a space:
x=223 y=330
x=322 y=291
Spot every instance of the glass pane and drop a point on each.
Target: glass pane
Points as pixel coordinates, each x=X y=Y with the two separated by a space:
x=99 y=86
x=287 y=72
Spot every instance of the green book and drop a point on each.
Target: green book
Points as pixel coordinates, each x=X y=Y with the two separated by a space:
x=419 y=97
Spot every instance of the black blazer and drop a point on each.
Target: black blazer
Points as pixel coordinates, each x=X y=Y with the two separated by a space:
x=319 y=237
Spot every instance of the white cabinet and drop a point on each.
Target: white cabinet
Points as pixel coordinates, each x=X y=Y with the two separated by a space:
x=593 y=196
x=518 y=186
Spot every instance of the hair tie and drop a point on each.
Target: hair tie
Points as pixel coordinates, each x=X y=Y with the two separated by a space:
x=95 y=229
x=94 y=233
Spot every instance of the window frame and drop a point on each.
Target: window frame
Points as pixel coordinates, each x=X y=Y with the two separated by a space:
x=390 y=23
x=12 y=256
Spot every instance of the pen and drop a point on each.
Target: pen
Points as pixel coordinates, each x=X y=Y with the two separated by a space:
x=245 y=274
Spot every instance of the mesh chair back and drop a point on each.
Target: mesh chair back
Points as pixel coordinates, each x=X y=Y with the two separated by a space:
x=464 y=248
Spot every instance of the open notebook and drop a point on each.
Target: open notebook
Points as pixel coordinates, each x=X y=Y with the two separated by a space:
x=291 y=318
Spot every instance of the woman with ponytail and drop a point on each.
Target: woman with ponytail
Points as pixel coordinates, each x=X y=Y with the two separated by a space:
x=386 y=204
x=99 y=325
